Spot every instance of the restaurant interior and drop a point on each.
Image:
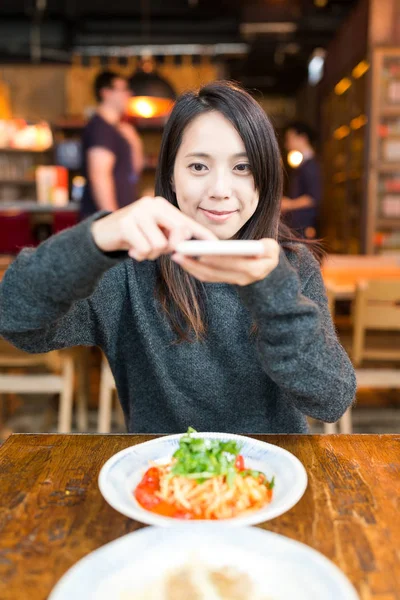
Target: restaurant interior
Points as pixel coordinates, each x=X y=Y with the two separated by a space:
x=333 y=65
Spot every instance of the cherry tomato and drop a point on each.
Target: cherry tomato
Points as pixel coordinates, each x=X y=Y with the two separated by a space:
x=144 y=492
x=145 y=496
x=151 y=477
x=239 y=464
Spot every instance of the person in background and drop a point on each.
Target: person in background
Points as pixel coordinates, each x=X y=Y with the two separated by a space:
x=112 y=149
x=300 y=208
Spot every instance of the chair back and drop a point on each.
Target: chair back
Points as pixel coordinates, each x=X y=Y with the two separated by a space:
x=377 y=308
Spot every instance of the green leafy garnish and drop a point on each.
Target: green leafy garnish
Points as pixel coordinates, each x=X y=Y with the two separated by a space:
x=251 y=472
x=202 y=459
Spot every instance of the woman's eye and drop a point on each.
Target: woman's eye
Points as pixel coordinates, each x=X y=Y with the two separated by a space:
x=243 y=167
x=198 y=167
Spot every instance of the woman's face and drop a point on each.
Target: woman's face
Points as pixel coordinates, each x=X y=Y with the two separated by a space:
x=212 y=178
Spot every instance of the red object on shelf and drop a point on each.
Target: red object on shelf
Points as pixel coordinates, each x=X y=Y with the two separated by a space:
x=383 y=130
x=64 y=220
x=62 y=177
x=15 y=232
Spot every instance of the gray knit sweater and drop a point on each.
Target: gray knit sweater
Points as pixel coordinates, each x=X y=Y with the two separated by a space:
x=68 y=293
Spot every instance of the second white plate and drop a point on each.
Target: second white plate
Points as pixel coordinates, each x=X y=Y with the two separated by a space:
x=279 y=568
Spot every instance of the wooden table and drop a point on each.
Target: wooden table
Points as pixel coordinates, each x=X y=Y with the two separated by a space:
x=342 y=273
x=52 y=513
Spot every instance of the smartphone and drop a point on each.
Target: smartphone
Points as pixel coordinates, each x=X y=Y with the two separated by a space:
x=221 y=248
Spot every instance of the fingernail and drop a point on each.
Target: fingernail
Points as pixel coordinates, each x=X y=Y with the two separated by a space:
x=178 y=258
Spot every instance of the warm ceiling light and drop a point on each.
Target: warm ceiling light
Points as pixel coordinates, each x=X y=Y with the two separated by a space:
x=341 y=132
x=342 y=86
x=148 y=107
x=295 y=158
x=152 y=95
x=359 y=122
x=360 y=69
x=320 y=3
x=143 y=107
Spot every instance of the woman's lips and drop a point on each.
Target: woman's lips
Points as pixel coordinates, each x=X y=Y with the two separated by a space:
x=218 y=215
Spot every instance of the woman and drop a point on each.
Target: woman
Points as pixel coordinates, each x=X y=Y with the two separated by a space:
x=220 y=343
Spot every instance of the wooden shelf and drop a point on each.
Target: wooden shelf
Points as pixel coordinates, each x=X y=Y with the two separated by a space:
x=387 y=167
x=24 y=151
x=34 y=207
x=143 y=126
x=69 y=124
x=382 y=173
x=391 y=111
x=345 y=178
x=387 y=223
x=390 y=136
x=17 y=182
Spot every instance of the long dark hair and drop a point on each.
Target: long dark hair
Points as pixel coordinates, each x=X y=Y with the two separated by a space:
x=181 y=295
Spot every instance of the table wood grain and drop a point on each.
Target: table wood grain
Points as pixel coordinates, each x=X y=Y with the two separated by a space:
x=52 y=513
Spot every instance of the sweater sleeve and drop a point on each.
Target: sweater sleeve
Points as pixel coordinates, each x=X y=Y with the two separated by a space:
x=297 y=342
x=45 y=294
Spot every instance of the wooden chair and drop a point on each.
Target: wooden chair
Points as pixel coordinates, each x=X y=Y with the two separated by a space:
x=330 y=294
x=376 y=308
x=60 y=380
x=106 y=397
x=345 y=424
x=342 y=273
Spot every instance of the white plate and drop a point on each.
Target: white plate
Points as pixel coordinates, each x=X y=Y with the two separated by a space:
x=136 y=560
x=122 y=472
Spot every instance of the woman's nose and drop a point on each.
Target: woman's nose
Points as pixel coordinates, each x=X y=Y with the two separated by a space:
x=220 y=186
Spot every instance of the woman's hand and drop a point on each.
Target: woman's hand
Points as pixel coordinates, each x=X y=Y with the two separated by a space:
x=232 y=269
x=147 y=228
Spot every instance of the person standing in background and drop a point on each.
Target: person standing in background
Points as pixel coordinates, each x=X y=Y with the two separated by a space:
x=112 y=149
x=300 y=208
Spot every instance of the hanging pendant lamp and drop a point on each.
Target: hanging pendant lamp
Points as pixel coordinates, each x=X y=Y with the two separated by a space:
x=153 y=96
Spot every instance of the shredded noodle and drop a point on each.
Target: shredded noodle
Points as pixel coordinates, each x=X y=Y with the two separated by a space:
x=213 y=498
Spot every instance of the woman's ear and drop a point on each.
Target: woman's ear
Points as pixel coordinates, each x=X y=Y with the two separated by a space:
x=173 y=185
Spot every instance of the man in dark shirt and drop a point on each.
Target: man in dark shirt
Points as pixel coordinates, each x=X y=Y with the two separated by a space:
x=112 y=149
x=301 y=206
